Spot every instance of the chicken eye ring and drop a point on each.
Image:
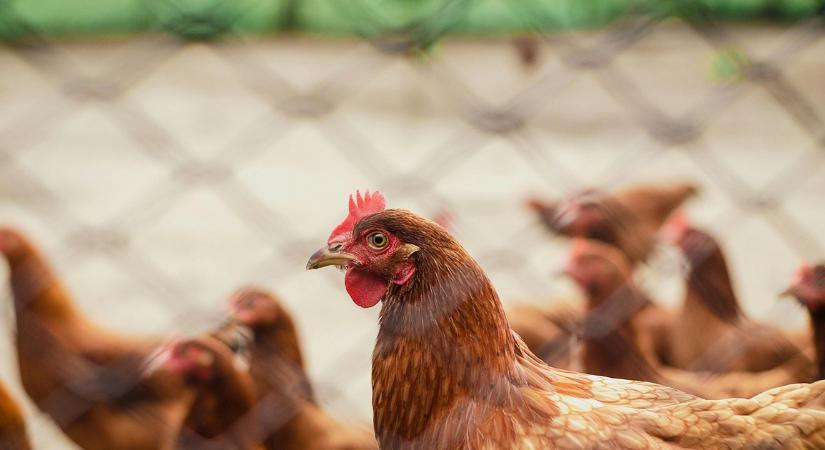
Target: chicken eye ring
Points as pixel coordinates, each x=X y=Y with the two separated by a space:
x=377 y=240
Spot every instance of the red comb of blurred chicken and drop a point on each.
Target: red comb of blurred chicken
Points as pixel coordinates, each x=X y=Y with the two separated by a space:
x=627 y=219
x=712 y=332
x=13 y=434
x=207 y=369
x=286 y=410
x=448 y=372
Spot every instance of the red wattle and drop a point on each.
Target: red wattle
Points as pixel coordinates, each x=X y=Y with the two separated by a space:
x=365 y=288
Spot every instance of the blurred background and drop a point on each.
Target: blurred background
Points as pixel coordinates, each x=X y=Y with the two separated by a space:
x=166 y=152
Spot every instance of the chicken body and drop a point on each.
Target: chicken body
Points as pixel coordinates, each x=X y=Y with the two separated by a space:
x=288 y=414
x=712 y=332
x=449 y=373
x=90 y=380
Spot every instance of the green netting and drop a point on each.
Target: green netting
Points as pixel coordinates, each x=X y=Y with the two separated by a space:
x=421 y=19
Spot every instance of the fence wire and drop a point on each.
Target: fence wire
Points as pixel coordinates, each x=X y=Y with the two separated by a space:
x=160 y=172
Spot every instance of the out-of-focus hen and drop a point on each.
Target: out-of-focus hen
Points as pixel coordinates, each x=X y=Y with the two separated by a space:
x=287 y=412
x=611 y=340
x=210 y=370
x=80 y=374
x=613 y=300
x=712 y=333
x=627 y=219
x=13 y=433
x=449 y=373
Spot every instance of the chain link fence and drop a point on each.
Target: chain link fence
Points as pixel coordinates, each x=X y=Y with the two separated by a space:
x=161 y=172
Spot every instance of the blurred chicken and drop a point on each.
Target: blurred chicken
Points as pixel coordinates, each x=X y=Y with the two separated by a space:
x=609 y=335
x=13 y=434
x=611 y=339
x=808 y=287
x=77 y=372
x=712 y=332
x=448 y=372
x=211 y=371
x=627 y=219
x=288 y=413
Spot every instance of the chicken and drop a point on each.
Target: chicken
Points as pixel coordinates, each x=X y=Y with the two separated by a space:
x=13 y=434
x=150 y=413
x=611 y=339
x=712 y=332
x=74 y=370
x=808 y=287
x=627 y=219
x=448 y=372
x=288 y=414
x=613 y=300
x=210 y=370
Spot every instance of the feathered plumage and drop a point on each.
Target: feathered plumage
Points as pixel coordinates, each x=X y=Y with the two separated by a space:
x=449 y=373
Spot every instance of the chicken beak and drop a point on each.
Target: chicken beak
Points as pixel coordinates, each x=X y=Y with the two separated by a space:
x=329 y=256
x=787 y=293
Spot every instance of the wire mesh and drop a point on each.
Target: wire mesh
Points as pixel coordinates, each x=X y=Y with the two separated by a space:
x=162 y=171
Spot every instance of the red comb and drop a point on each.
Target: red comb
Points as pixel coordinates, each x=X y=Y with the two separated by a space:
x=801 y=273
x=676 y=226
x=359 y=207
x=446 y=219
x=578 y=247
x=535 y=203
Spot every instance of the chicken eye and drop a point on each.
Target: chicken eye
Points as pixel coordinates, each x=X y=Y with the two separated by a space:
x=377 y=240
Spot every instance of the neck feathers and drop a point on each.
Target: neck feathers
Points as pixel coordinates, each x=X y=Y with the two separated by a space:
x=36 y=289
x=443 y=342
x=610 y=340
x=709 y=282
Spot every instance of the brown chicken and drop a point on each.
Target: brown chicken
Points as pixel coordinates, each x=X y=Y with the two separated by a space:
x=211 y=370
x=628 y=219
x=607 y=330
x=287 y=411
x=13 y=434
x=808 y=286
x=712 y=333
x=449 y=373
x=611 y=339
x=77 y=372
